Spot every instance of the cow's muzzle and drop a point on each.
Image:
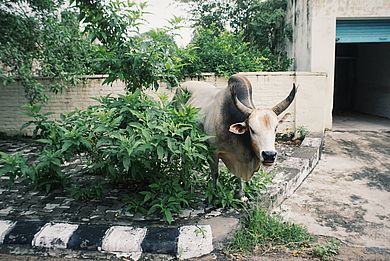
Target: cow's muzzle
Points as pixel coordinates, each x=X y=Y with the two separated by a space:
x=269 y=157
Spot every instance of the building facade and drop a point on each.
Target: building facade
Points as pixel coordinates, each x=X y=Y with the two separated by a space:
x=349 y=40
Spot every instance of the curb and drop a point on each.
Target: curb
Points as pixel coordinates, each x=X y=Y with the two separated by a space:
x=124 y=241
x=293 y=171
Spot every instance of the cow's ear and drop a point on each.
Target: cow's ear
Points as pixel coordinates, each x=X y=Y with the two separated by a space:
x=238 y=128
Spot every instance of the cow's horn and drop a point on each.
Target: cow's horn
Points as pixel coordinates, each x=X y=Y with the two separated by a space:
x=241 y=107
x=281 y=106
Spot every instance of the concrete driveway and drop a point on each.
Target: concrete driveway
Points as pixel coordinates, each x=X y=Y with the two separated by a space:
x=347 y=196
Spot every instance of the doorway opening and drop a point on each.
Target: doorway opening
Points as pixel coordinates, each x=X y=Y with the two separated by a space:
x=362 y=79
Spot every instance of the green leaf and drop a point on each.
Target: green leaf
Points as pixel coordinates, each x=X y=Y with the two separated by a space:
x=147 y=197
x=168 y=216
x=187 y=143
x=160 y=152
x=126 y=163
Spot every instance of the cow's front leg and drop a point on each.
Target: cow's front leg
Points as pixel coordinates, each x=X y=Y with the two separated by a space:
x=214 y=170
x=241 y=192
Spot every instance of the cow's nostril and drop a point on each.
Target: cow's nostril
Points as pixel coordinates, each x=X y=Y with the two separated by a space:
x=269 y=155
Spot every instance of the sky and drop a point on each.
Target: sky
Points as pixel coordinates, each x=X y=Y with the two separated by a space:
x=163 y=10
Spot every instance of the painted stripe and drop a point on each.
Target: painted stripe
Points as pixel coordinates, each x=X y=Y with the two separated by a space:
x=194 y=241
x=23 y=232
x=161 y=240
x=5 y=227
x=54 y=235
x=124 y=241
x=87 y=237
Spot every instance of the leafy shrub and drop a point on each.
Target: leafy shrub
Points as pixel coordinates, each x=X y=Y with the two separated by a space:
x=141 y=60
x=158 y=150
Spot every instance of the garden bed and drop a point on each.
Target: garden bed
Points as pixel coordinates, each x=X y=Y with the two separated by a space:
x=21 y=203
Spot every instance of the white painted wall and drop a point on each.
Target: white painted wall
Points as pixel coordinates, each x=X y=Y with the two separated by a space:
x=268 y=89
x=314 y=34
x=12 y=99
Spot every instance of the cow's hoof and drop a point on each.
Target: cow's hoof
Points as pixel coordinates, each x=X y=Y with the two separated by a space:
x=244 y=199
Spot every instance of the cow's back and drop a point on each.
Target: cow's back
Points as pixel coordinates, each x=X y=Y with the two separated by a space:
x=202 y=93
x=207 y=98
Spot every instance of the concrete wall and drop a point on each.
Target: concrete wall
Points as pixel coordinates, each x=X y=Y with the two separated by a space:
x=12 y=98
x=313 y=48
x=298 y=15
x=373 y=79
x=268 y=89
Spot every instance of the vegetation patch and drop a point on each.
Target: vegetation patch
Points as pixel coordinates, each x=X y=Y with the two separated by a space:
x=155 y=151
x=261 y=232
x=326 y=250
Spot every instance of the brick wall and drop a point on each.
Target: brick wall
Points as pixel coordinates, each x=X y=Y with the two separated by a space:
x=268 y=90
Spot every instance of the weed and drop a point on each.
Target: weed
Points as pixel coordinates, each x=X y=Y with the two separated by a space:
x=301 y=132
x=326 y=250
x=261 y=231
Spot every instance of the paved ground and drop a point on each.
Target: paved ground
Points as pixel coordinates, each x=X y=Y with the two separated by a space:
x=347 y=196
x=352 y=121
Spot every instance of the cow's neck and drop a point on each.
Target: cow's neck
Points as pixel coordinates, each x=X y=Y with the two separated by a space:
x=240 y=145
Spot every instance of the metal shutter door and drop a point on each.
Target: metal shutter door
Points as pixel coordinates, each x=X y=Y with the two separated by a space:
x=362 y=31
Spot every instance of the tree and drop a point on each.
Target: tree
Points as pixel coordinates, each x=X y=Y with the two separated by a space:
x=260 y=23
x=44 y=39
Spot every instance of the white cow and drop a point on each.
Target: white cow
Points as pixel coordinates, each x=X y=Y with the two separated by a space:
x=243 y=136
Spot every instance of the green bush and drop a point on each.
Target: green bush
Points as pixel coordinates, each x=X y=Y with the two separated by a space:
x=158 y=150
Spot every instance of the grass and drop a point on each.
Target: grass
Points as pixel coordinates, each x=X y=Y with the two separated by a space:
x=260 y=231
x=326 y=250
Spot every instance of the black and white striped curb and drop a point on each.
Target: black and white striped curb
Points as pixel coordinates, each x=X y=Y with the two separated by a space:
x=183 y=242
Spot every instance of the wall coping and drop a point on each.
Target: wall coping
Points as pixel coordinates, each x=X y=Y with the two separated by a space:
x=287 y=73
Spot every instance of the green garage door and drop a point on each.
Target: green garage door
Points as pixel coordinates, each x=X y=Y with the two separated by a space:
x=363 y=31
